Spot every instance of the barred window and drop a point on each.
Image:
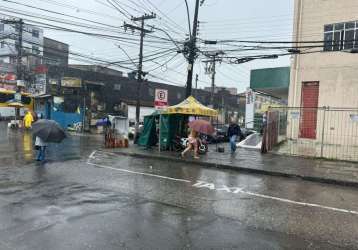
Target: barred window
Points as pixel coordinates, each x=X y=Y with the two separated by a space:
x=340 y=36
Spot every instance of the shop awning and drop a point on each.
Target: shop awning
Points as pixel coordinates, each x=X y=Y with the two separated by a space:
x=191 y=106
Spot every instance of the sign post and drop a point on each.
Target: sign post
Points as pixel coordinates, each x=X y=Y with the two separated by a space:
x=160 y=102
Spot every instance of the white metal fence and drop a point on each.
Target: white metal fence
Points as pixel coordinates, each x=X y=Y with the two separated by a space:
x=318 y=132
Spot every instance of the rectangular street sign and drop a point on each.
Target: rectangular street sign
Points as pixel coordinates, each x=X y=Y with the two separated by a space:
x=161 y=98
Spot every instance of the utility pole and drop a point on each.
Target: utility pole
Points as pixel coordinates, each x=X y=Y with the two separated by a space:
x=192 y=50
x=211 y=69
x=140 y=72
x=19 y=50
x=196 y=85
x=19 y=26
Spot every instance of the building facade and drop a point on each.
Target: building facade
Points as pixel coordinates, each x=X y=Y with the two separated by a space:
x=271 y=81
x=232 y=91
x=87 y=93
x=32 y=45
x=324 y=80
x=55 y=52
x=333 y=72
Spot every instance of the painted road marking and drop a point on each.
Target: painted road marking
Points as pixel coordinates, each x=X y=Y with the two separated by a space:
x=92 y=155
x=236 y=190
x=138 y=173
x=223 y=188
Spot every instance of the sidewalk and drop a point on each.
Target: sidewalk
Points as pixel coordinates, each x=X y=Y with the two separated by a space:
x=317 y=170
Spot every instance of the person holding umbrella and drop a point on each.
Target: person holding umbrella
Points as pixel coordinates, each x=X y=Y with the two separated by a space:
x=40 y=146
x=197 y=126
x=193 y=144
x=46 y=131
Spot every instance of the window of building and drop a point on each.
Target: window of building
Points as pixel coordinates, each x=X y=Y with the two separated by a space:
x=340 y=36
x=2 y=27
x=2 y=44
x=35 y=33
x=117 y=87
x=35 y=50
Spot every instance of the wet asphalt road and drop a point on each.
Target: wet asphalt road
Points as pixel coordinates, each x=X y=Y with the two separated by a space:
x=87 y=198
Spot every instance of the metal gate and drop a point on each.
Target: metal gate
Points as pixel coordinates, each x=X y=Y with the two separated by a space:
x=336 y=132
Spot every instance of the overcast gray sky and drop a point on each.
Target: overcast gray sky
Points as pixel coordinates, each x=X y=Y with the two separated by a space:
x=219 y=19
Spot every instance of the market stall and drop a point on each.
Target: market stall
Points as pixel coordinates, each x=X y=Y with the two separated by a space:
x=163 y=126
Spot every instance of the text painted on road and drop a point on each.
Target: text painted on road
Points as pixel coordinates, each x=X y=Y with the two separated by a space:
x=219 y=188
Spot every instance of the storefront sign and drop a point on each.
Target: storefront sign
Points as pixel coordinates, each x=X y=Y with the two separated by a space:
x=7 y=77
x=7 y=86
x=71 y=82
x=41 y=69
x=250 y=109
x=161 y=98
x=20 y=83
x=39 y=86
x=53 y=82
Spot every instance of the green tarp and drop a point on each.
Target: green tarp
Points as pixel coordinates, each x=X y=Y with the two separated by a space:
x=170 y=126
x=148 y=137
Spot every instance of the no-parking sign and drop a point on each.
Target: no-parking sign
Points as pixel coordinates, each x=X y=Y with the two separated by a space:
x=161 y=98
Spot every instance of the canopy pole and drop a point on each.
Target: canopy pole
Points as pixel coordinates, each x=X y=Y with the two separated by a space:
x=217 y=123
x=160 y=141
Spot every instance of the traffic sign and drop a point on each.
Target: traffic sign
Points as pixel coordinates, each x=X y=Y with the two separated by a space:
x=161 y=98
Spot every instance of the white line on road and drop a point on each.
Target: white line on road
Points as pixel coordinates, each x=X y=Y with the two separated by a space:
x=233 y=190
x=134 y=172
x=299 y=203
x=92 y=155
x=236 y=190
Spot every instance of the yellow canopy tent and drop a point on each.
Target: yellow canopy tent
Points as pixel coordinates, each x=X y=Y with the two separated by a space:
x=191 y=106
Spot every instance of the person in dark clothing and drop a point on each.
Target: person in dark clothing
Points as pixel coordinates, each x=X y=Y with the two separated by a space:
x=233 y=132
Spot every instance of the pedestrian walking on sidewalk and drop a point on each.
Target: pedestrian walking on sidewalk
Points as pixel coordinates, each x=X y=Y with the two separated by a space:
x=233 y=132
x=193 y=144
x=40 y=146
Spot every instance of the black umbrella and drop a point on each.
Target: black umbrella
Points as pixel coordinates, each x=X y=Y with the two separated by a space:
x=48 y=130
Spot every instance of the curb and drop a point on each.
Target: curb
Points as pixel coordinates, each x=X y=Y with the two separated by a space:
x=244 y=169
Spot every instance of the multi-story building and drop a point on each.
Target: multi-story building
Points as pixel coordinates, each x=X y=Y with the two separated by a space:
x=329 y=76
x=32 y=45
x=233 y=91
x=324 y=79
x=55 y=52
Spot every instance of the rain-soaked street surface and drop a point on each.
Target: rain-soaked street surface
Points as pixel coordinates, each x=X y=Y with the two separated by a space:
x=84 y=197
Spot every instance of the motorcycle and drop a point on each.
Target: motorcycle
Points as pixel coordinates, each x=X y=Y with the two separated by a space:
x=180 y=143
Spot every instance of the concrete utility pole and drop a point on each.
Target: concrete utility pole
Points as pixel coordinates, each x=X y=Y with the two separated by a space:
x=196 y=85
x=192 y=50
x=212 y=70
x=19 y=50
x=140 y=72
x=19 y=25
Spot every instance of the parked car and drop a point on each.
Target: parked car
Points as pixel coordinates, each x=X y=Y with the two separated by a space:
x=221 y=136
